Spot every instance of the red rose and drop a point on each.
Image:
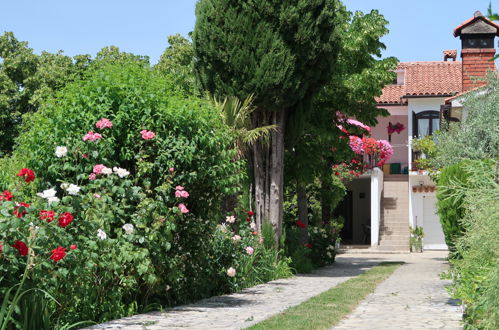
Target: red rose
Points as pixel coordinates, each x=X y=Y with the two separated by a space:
x=21 y=247
x=300 y=224
x=58 y=254
x=308 y=245
x=73 y=247
x=250 y=213
x=248 y=219
x=65 y=219
x=22 y=213
x=6 y=196
x=1 y=246
x=47 y=215
x=27 y=174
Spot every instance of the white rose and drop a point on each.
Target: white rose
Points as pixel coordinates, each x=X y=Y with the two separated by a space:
x=101 y=234
x=73 y=189
x=61 y=151
x=231 y=272
x=54 y=199
x=107 y=170
x=64 y=186
x=121 y=172
x=236 y=238
x=128 y=227
x=49 y=193
x=230 y=219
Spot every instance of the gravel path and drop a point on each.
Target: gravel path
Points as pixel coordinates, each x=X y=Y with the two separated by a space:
x=417 y=282
x=413 y=297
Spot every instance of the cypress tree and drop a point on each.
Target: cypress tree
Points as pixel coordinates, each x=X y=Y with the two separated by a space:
x=280 y=50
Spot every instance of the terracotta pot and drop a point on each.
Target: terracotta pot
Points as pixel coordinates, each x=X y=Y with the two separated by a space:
x=432 y=188
x=414 y=188
x=420 y=189
x=426 y=188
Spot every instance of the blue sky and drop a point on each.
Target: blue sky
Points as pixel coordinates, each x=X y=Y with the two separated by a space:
x=419 y=29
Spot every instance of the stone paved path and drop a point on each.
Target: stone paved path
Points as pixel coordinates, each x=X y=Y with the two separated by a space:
x=419 y=278
x=413 y=297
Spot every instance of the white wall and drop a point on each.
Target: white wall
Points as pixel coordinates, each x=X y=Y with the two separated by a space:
x=399 y=141
x=418 y=105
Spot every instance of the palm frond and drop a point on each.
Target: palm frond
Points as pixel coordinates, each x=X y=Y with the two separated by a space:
x=260 y=133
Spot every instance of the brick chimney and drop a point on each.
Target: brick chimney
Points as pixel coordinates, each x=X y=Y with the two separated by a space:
x=477 y=49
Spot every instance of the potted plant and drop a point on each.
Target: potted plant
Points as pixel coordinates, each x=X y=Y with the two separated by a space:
x=416 y=239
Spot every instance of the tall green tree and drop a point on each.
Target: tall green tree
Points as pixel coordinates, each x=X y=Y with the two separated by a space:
x=359 y=75
x=27 y=79
x=280 y=50
x=177 y=61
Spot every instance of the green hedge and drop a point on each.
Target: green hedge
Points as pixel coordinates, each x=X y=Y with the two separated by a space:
x=450 y=205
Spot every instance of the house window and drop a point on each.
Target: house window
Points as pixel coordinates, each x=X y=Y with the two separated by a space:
x=425 y=123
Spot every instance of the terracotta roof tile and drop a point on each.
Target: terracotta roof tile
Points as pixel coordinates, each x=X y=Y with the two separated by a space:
x=433 y=78
x=392 y=94
x=424 y=79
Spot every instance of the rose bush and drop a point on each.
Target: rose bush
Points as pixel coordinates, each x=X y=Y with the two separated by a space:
x=113 y=236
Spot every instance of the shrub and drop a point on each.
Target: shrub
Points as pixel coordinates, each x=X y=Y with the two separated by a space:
x=475 y=274
x=137 y=245
x=450 y=205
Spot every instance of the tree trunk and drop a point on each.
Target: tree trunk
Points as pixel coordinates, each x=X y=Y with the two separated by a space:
x=268 y=161
x=277 y=174
x=259 y=183
x=301 y=196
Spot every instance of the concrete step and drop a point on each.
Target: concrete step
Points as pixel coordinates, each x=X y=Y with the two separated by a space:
x=384 y=238
x=394 y=249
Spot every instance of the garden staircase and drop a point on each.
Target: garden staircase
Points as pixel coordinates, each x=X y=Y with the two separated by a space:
x=394 y=227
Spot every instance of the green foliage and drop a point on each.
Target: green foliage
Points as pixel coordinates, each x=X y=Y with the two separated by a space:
x=450 y=205
x=323 y=243
x=279 y=50
x=416 y=239
x=427 y=149
x=166 y=258
x=27 y=80
x=477 y=135
x=475 y=274
x=177 y=62
x=237 y=115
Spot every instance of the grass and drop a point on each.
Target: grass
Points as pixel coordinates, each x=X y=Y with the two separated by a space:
x=328 y=308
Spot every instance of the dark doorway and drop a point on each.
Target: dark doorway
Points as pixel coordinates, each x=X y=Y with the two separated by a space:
x=345 y=209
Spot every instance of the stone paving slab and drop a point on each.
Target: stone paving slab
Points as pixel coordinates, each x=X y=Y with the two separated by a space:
x=413 y=297
x=250 y=306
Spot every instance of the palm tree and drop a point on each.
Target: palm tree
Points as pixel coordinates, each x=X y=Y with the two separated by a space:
x=237 y=115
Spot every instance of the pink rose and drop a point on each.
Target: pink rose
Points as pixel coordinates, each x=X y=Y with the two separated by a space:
x=147 y=135
x=104 y=123
x=179 y=188
x=98 y=168
x=183 y=208
x=171 y=170
x=181 y=194
x=236 y=238
x=91 y=136
x=249 y=250
x=96 y=195
x=92 y=177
